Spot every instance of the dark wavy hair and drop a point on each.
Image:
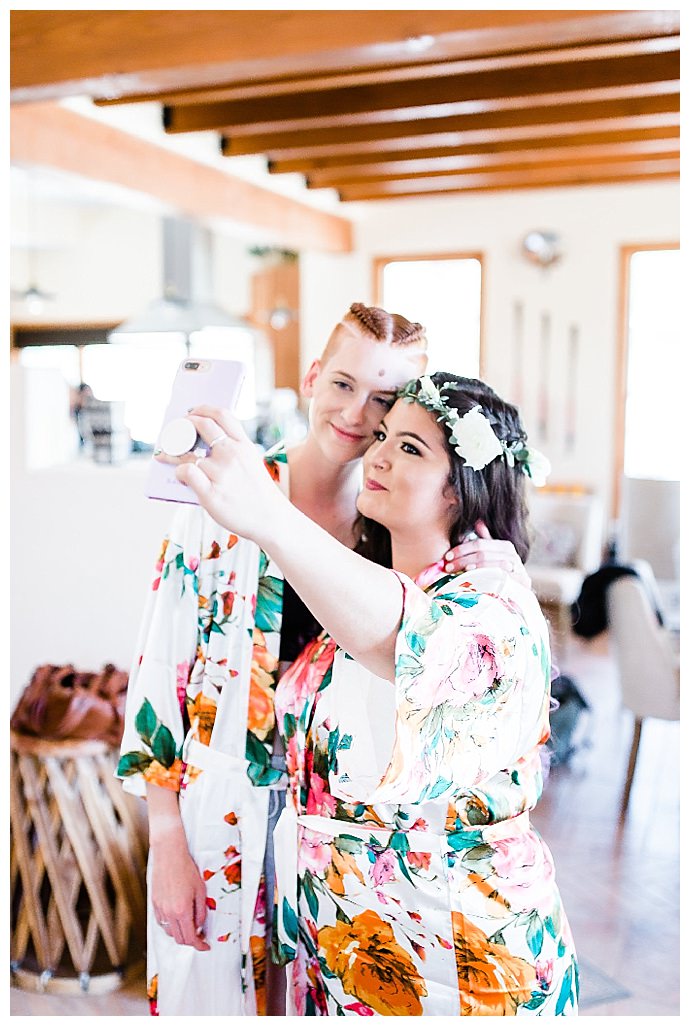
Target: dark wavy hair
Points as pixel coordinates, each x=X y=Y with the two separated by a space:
x=495 y=494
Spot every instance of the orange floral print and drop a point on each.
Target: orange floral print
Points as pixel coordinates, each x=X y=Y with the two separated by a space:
x=261 y=715
x=341 y=864
x=372 y=966
x=232 y=871
x=257 y=946
x=233 y=874
x=491 y=980
x=202 y=716
x=162 y=776
x=152 y=995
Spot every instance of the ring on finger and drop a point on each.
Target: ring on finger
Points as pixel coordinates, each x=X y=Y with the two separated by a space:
x=219 y=438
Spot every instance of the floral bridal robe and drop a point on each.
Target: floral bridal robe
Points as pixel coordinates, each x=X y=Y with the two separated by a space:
x=199 y=720
x=410 y=880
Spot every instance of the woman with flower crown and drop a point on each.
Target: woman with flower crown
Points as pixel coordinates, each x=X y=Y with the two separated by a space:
x=410 y=879
x=218 y=628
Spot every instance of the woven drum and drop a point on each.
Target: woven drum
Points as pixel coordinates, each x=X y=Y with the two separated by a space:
x=78 y=868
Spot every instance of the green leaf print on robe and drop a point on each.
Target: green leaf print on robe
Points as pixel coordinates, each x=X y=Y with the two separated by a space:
x=269 y=599
x=158 y=741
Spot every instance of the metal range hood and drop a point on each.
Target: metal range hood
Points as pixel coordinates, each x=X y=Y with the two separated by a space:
x=186 y=305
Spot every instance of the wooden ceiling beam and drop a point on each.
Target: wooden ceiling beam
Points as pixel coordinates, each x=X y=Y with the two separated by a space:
x=447 y=131
x=361 y=163
x=51 y=136
x=519 y=160
x=416 y=69
x=111 y=54
x=426 y=97
x=532 y=179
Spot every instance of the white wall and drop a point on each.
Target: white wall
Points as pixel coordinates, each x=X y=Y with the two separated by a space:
x=84 y=541
x=104 y=261
x=581 y=290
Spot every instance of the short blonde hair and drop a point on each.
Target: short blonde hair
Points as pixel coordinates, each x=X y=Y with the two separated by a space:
x=380 y=326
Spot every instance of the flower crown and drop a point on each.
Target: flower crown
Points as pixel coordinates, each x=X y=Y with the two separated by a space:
x=472 y=435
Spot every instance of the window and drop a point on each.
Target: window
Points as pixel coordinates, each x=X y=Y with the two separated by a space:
x=443 y=294
x=140 y=370
x=653 y=438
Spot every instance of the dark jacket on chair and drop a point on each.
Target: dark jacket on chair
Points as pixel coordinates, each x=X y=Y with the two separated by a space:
x=588 y=611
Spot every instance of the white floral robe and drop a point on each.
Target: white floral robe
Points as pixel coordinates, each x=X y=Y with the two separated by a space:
x=199 y=720
x=410 y=881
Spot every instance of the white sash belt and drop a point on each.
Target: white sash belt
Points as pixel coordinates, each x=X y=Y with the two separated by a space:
x=286 y=844
x=213 y=761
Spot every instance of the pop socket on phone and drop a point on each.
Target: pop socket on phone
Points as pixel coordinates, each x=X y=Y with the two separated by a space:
x=178 y=437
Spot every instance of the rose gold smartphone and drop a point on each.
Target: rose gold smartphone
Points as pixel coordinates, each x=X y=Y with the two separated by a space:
x=197 y=381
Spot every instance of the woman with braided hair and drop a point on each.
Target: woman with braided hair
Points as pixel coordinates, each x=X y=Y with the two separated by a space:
x=218 y=628
x=410 y=879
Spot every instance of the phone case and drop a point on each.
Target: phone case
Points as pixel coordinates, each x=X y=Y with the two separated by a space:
x=197 y=381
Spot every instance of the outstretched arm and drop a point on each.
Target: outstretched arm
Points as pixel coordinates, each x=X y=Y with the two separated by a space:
x=358 y=602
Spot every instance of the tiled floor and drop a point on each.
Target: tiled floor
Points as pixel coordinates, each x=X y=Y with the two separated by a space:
x=620 y=883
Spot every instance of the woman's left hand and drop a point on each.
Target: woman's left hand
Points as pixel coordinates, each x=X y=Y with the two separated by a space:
x=231 y=483
x=485 y=551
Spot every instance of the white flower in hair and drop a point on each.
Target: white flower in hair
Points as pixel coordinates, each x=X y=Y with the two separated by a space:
x=474 y=439
x=538 y=467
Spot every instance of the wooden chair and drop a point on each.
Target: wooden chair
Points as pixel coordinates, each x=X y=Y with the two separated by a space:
x=647 y=657
x=77 y=867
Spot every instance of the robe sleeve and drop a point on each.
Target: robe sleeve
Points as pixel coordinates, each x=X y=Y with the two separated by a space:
x=154 y=716
x=470 y=696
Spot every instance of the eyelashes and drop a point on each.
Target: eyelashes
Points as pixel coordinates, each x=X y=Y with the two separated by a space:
x=407 y=447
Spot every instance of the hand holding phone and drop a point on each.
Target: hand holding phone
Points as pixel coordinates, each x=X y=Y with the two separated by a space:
x=197 y=382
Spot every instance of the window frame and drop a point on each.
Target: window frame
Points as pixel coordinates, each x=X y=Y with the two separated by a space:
x=379 y=262
x=625 y=255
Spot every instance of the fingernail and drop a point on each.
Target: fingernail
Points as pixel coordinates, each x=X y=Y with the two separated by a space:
x=471 y=566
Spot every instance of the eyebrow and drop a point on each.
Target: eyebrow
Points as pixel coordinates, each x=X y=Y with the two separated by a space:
x=409 y=434
x=381 y=391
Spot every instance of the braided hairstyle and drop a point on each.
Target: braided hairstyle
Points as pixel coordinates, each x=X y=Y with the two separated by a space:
x=380 y=326
x=495 y=494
